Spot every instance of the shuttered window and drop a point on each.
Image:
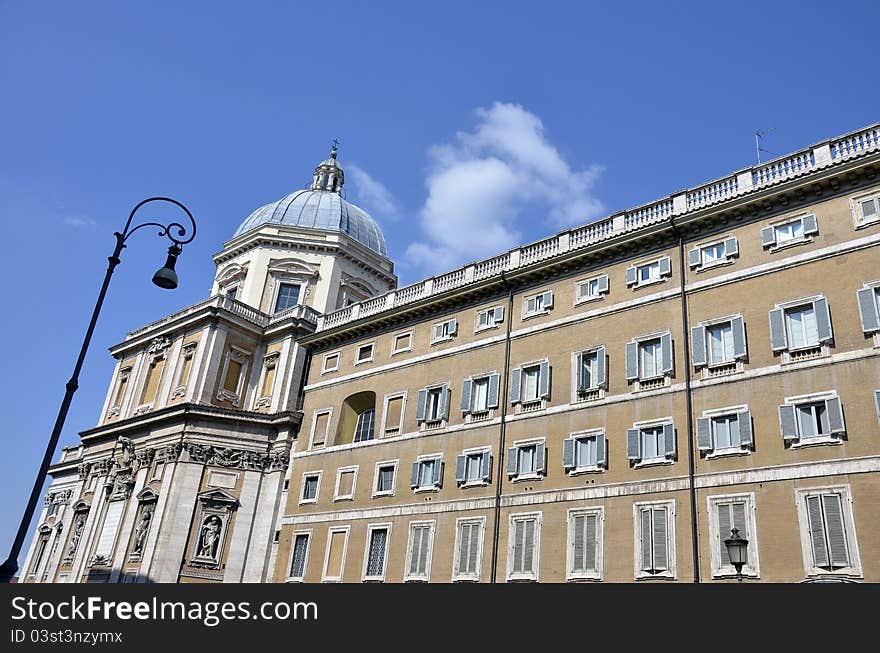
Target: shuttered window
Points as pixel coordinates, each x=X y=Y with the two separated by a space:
x=869 y=309
x=730 y=515
x=337 y=543
x=376 y=554
x=444 y=330
x=421 y=536
x=480 y=394
x=654 y=551
x=583 y=544
x=322 y=421
x=393 y=415
x=802 y=327
x=426 y=474
x=523 y=548
x=588 y=371
x=650 y=358
x=540 y=303
x=298 y=560
x=469 y=537
x=364 y=354
x=828 y=532
x=530 y=386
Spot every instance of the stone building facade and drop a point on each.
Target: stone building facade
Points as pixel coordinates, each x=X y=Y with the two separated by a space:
x=602 y=405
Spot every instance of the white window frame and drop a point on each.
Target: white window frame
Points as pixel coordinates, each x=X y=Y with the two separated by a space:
x=531 y=476
x=432 y=424
x=741 y=450
x=407 y=576
x=116 y=406
x=594 y=392
x=357 y=353
x=852 y=542
x=859 y=220
x=179 y=386
x=489 y=412
x=540 y=401
x=438 y=458
x=588 y=469
x=650 y=282
x=728 y=258
x=578 y=299
x=875 y=285
x=390 y=396
x=485 y=451
x=319 y=473
x=457 y=575
x=824 y=348
x=292 y=281
x=670 y=572
x=308 y=534
x=370 y=528
x=339 y=472
x=270 y=362
x=385 y=463
x=443 y=325
x=752 y=568
x=324 y=368
x=526 y=313
x=315 y=414
x=598 y=574
x=792 y=242
x=737 y=364
x=817 y=440
x=656 y=460
x=490 y=323
x=244 y=357
x=394 y=349
x=335 y=529
x=535 y=574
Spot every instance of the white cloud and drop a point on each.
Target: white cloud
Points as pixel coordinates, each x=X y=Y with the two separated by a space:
x=372 y=194
x=482 y=184
x=77 y=221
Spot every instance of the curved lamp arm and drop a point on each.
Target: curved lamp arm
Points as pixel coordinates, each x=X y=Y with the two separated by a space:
x=167 y=230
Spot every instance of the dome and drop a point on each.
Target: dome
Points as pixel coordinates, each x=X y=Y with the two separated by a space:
x=321 y=207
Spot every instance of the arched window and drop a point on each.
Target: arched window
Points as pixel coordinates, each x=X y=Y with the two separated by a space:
x=364 y=428
x=358 y=419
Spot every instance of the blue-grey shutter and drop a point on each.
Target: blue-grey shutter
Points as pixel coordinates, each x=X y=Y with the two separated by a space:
x=835 y=414
x=669 y=440
x=633 y=448
x=453 y=326
x=486 y=467
x=579 y=371
x=835 y=529
x=704 y=433
x=660 y=549
x=744 y=420
x=515 y=381
x=438 y=472
x=811 y=225
x=492 y=394
x=466 y=395
x=512 y=461
x=414 y=479
x=544 y=381
x=540 y=465
x=646 y=533
x=788 y=422
x=631 y=276
x=768 y=236
x=731 y=247
x=460 y=463
x=602 y=283
x=632 y=361
x=823 y=319
x=666 y=352
x=601 y=368
x=877 y=401
x=601 y=458
x=778 y=341
x=568 y=453
x=548 y=299
x=698 y=345
x=695 y=257
x=443 y=407
x=738 y=327
x=817 y=532
x=665 y=266
x=868 y=310
x=498 y=314
x=724 y=526
x=420 y=405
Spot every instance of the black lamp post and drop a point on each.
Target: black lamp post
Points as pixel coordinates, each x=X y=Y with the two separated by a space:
x=165 y=277
x=737 y=551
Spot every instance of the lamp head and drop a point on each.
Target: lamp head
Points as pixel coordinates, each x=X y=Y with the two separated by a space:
x=166 y=277
x=737 y=549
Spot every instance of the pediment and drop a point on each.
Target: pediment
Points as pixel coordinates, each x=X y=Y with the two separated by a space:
x=147 y=495
x=293 y=266
x=216 y=495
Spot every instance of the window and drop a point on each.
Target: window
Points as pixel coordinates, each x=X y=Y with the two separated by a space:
x=523 y=547
x=725 y=431
x=869 y=309
x=812 y=419
x=648 y=273
x=719 y=343
x=866 y=210
x=119 y=392
x=288 y=295
x=366 y=421
x=311 y=484
x=45 y=533
x=651 y=443
x=151 y=381
x=479 y=395
x=526 y=460
x=392 y=418
x=419 y=550
x=357 y=418
x=713 y=254
x=590 y=289
x=320 y=427
x=402 y=342
x=789 y=232
x=298 y=556
x=473 y=467
x=584 y=452
x=584 y=556
x=377 y=552
x=828 y=537
x=184 y=368
x=334 y=558
x=331 y=363
x=383 y=485
x=539 y=304
x=649 y=358
x=530 y=384
x=346 y=481
x=655 y=539
x=232 y=291
x=433 y=405
x=800 y=325
x=444 y=330
x=427 y=473
x=725 y=513
x=468 y=552
x=364 y=354
x=589 y=374
x=489 y=318
x=234 y=376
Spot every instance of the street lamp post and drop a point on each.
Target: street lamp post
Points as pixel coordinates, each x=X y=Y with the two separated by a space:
x=165 y=277
x=737 y=551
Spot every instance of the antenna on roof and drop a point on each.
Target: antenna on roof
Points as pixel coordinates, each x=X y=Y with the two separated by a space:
x=759 y=134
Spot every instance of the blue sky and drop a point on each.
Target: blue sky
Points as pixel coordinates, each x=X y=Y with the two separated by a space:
x=465 y=128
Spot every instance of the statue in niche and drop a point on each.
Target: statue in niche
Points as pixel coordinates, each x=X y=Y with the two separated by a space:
x=78 y=526
x=127 y=452
x=209 y=538
x=140 y=533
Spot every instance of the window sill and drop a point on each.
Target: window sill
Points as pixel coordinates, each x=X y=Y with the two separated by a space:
x=522 y=579
x=863 y=224
x=478 y=416
x=653 y=462
x=432 y=425
x=663 y=575
x=305 y=502
x=526 y=477
x=363 y=362
x=465 y=579
x=794 y=242
x=817 y=441
x=579 y=471
x=652 y=282
x=470 y=484
x=430 y=488
x=416 y=579
x=486 y=328
x=531 y=406
x=593 y=394
x=335 y=369
x=716 y=370
x=584 y=578
x=383 y=493
x=730 y=572
x=728 y=452
x=812 y=352
x=294 y=580
x=438 y=341
x=653 y=383
x=715 y=264
x=345 y=498
x=842 y=572
x=587 y=300
x=528 y=316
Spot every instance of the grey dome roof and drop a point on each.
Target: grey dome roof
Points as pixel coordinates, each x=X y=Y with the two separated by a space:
x=319 y=209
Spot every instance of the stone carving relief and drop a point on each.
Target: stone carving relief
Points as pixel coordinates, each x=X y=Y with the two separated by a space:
x=215 y=511
x=79 y=523
x=159 y=345
x=147 y=498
